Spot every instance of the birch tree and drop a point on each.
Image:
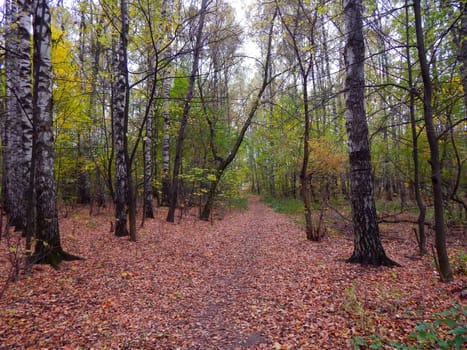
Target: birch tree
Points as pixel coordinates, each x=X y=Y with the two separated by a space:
x=48 y=247
x=120 y=126
x=18 y=128
x=367 y=243
x=167 y=9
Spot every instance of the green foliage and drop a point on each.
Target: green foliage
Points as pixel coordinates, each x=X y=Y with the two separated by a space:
x=447 y=331
x=353 y=306
x=290 y=206
x=459 y=261
x=237 y=203
x=387 y=206
x=230 y=187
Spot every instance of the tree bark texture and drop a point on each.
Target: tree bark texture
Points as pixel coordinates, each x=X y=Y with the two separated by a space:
x=120 y=125
x=148 y=210
x=48 y=246
x=440 y=230
x=18 y=124
x=166 y=85
x=367 y=243
x=305 y=185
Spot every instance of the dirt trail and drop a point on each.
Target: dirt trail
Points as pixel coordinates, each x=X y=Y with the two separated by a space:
x=249 y=281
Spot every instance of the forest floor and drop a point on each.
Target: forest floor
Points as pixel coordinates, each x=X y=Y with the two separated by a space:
x=248 y=281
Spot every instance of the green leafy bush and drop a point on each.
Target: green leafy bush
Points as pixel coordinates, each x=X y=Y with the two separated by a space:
x=447 y=331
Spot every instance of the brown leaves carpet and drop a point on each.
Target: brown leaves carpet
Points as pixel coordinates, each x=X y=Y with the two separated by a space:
x=248 y=281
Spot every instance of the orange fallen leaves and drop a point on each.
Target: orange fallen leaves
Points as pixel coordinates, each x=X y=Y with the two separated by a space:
x=249 y=281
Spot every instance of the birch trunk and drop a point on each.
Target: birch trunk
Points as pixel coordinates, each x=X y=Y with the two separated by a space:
x=120 y=124
x=48 y=247
x=166 y=85
x=19 y=111
x=367 y=244
x=148 y=211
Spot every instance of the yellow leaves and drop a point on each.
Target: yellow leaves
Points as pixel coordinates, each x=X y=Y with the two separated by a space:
x=325 y=158
x=126 y=274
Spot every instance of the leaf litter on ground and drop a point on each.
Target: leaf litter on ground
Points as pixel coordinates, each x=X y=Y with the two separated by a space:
x=248 y=281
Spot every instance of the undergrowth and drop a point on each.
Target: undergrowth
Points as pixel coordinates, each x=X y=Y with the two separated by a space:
x=446 y=330
x=289 y=206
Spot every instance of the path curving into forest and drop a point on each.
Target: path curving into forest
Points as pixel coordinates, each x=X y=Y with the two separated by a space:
x=248 y=281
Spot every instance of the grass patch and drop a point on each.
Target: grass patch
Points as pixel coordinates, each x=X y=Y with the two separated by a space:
x=237 y=203
x=289 y=206
x=387 y=206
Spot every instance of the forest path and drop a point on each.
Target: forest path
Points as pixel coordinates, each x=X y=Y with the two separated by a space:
x=248 y=272
x=248 y=281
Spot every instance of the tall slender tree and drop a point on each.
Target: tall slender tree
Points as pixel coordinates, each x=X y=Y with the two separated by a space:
x=120 y=125
x=463 y=49
x=420 y=234
x=18 y=126
x=148 y=211
x=367 y=243
x=48 y=247
x=166 y=14
x=440 y=230
x=186 y=111
x=304 y=57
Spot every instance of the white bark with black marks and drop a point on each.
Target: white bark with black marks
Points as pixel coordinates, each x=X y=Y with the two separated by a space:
x=120 y=120
x=367 y=243
x=18 y=125
x=48 y=247
x=166 y=86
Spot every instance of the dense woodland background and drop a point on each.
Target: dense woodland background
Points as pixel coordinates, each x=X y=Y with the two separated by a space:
x=178 y=104
x=151 y=108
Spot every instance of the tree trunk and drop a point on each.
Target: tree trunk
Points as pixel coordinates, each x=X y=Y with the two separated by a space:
x=186 y=111
x=305 y=185
x=166 y=85
x=83 y=184
x=421 y=235
x=120 y=126
x=367 y=243
x=305 y=64
x=211 y=195
x=463 y=50
x=48 y=247
x=440 y=234
x=19 y=111
x=148 y=211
